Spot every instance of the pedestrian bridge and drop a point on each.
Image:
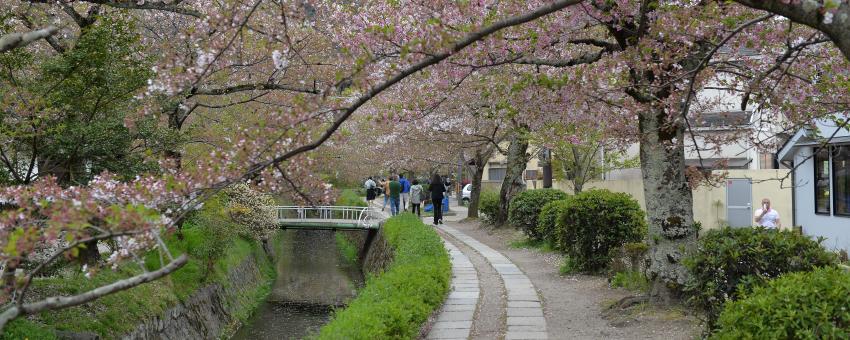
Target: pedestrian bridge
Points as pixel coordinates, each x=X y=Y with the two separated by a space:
x=327 y=218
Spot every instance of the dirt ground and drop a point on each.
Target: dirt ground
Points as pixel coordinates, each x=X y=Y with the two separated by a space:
x=577 y=306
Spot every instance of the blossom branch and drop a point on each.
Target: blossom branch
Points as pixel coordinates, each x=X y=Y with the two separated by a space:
x=428 y=61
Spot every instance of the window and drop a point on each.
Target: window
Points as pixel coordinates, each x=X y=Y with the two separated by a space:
x=841 y=179
x=497 y=174
x=822 y=181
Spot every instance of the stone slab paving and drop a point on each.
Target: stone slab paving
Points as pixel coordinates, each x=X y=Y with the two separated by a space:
x=455 y=319
x=524 y=310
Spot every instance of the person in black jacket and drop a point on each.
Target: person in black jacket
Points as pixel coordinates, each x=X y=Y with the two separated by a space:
x=437 y=189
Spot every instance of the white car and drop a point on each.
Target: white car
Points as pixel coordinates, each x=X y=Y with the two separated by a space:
x=466 y=193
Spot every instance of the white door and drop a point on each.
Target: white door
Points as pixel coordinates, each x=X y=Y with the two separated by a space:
x=739 y=202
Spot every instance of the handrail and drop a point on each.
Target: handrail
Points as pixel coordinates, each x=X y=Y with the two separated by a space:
x=362 y=216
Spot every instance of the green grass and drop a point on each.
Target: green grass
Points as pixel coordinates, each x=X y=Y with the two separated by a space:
x=631 y=280
x=109 y=315
x=116 y=314
x=529 y=243
x=394 y=304
x=569 y=266
x=350 y=198
x=346 y=248
x=26 y=329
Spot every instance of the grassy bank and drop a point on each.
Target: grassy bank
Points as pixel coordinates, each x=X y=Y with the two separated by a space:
x=394 y=304
x=350 y=198
x=113 y=315
x=347 y=249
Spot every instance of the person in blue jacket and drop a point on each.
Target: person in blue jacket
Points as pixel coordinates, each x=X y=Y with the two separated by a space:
x=405 y=191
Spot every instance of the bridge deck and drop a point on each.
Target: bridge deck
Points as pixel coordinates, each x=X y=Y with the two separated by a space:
x=328 y=224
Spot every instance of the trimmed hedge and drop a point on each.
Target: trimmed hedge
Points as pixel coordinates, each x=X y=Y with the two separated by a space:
x=549 y=220
x=807 y=305
x=394 y=304
x=730 y=261
x=525 y=208
x=597 y=222
x=488 y=206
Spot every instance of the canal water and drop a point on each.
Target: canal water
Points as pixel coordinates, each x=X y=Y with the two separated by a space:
x=312 y=279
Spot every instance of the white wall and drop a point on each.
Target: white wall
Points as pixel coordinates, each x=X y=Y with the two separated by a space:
x=835 y=229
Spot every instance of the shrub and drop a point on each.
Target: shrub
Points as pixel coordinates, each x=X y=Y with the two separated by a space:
x=568 y=266
x=596 y=222
x=525 y=208
x=488 y=206
x=729 y=261
x=393 y=305
x=549 y=219
x=806 y=305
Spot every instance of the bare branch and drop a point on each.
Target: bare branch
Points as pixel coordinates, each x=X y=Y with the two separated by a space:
x=252 y=87
x=811 y=13
x=132 y=4
x=70 y=301
x=14 y=40
x=583 y=59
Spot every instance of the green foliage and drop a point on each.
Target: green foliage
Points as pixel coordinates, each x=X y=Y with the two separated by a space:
x=805 y=305
x=394 y=304
x=350 y=198
x=569 y=266
x=525 y=208
x=488 y=206
x=730 y=261
x=597 y=222
x=631 y=280
x=23 y=328
x=529 y=243
x=82 y=97
x=109 y=316
x=549 y=219
x=212 y=251
x=347 y=249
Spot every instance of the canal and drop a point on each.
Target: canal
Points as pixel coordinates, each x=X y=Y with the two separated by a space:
x=313 y=278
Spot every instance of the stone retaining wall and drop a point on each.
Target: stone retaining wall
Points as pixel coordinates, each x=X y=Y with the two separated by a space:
x=208 y=313
x=379 y=255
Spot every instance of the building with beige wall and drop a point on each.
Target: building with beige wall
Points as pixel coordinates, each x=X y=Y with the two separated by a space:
x=711 y=203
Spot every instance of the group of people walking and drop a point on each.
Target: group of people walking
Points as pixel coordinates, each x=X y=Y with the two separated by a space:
x=401 y=193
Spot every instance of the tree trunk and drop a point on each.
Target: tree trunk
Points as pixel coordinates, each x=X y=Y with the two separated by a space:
x=669 y=203
x=89 y=255
x=513 y=183
x=475 y=195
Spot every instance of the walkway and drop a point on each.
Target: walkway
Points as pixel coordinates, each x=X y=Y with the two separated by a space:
x=523 y=310
x=455 y=320
x=512 y=285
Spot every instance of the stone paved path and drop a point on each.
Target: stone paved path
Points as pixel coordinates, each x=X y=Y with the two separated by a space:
x=524 y=309
x=455 y=320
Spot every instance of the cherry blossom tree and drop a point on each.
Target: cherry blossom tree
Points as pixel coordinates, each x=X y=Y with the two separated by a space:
x=220 y=48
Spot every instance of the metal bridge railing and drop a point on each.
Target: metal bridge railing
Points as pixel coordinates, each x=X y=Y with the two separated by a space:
x=361 y=216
